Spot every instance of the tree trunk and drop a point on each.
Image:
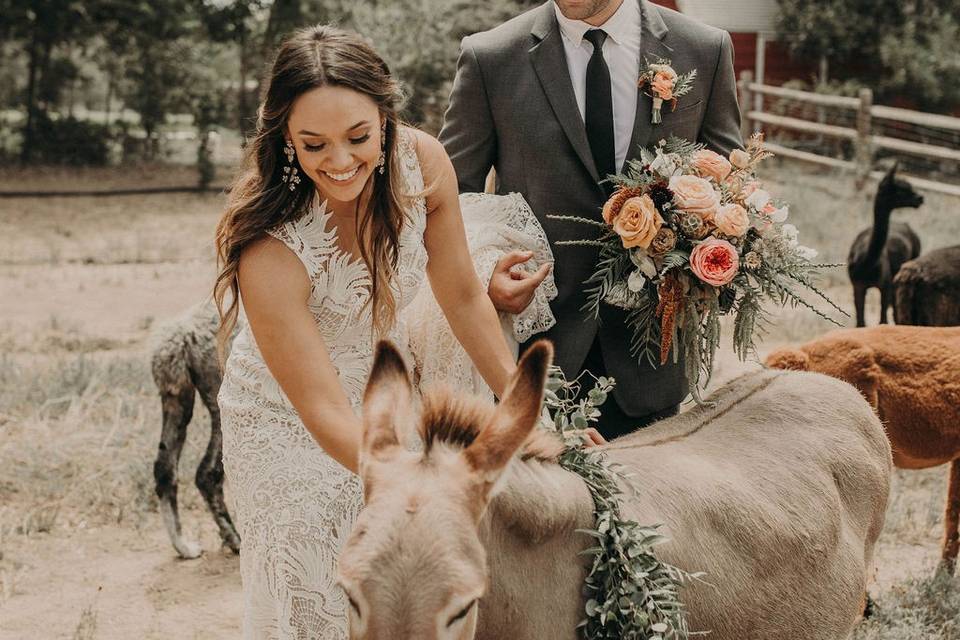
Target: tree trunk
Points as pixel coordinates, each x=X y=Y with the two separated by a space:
x=28 y=137
x=110 y=75
x=242 y=103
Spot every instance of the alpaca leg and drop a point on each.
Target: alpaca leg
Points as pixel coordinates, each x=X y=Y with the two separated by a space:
x=859 y=297
x=210 y=481
x=951 y=521
x=177 y=411
x=886 y=298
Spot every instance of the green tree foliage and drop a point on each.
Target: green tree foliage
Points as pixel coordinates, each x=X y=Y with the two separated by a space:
x=205 y=57
x=44 y=27
x=420 y=39
x=897 y=47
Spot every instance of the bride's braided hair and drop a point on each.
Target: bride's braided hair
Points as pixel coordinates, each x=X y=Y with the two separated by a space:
x=259 y=200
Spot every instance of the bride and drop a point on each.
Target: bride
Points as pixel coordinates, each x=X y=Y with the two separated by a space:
x=329 y=234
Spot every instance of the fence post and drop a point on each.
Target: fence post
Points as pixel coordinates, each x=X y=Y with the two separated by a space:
x=746 y=104
x=864 y=144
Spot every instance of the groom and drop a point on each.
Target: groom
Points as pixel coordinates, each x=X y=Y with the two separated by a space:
x=550 y=100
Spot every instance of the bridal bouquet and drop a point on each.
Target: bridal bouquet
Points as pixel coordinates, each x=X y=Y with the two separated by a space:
x=687 y=237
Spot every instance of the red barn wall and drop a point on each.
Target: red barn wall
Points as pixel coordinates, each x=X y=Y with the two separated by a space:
x=779 y=66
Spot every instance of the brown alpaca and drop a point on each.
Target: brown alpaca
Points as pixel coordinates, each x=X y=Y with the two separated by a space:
x=911 y=375
x=928 y=289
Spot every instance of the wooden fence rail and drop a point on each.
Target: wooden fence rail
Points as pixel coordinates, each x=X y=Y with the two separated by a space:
x=866 y=142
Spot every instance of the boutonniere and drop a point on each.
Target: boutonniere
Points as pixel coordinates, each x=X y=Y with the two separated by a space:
x=663 y=84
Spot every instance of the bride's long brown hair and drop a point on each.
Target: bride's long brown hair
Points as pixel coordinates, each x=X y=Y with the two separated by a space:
x=259 y=200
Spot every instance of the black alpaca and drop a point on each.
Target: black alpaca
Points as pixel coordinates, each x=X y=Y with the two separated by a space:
x=877 y=253
x=928 y=289
x=184 y=364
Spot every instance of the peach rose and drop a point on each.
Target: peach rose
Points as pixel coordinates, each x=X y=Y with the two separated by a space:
x=739 y=158
x=715 y=261
x=664 y=70
x=732 y=220
x=662 y=85
x=711 y=165
x=695 y=195
x=638 y=222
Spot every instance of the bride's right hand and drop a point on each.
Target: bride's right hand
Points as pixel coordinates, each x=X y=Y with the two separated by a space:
x=512 y=290
x=592 y=438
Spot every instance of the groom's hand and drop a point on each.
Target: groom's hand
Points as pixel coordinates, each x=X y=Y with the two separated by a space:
x=511 y=286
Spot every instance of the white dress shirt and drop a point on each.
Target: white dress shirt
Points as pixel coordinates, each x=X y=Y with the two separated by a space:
x=621 y=51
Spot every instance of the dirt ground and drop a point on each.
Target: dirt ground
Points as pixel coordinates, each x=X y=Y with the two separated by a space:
x=82 y=550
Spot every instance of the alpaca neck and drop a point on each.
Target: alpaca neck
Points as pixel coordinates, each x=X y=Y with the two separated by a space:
x=879 y=232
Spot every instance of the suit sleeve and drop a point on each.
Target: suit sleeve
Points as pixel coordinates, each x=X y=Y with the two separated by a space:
x=468 y=132
x=721 y=125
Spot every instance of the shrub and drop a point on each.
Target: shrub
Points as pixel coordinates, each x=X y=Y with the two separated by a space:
x=69 y=141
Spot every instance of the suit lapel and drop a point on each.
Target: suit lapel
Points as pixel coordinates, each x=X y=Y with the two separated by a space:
x=550 y=63
x=652 y=46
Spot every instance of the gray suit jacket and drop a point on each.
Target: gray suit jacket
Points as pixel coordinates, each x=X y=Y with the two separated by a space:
x=513 y=108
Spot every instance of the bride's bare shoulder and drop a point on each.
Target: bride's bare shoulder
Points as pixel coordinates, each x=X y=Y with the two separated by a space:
x=428 y=148
x=433 y=158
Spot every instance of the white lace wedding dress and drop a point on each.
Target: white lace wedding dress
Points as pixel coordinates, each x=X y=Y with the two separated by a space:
x=294 y=504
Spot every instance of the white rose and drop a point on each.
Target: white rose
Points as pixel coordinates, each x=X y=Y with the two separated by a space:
x=780 y=215
x=758 y=199
x=666 y=164
x=806 y=252
x=643 y=262
x=636 y=281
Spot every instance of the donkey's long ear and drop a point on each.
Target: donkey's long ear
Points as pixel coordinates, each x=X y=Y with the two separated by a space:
x=386 y=399
x=515 y=417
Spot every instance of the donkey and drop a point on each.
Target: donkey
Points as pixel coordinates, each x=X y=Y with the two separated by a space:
x=778 y=492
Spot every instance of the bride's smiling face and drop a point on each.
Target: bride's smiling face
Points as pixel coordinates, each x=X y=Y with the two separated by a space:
x=336 y=133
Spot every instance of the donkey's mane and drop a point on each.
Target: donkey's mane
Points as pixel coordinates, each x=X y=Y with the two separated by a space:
x=456 y=418
x=452 y=418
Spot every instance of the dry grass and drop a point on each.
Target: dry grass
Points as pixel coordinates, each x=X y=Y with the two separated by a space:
x=80 y=419
x=925 y=608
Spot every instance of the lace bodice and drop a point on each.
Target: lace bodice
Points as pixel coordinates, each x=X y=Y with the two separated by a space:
x=294 y=504
x=340 y=286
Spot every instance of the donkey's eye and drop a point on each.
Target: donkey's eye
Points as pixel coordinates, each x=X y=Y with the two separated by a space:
x=462 y=614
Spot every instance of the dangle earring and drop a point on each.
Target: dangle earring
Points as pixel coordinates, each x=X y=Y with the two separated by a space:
x=381 y=163
x=290 y=171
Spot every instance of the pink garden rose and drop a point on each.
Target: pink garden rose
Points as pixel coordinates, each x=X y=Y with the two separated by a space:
x=710 y=164
x=638 y=222
x=732 y=220
x=715 y=261
x=695 y=195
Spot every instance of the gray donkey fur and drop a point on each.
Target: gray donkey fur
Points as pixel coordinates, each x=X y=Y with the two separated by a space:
x=184 y=363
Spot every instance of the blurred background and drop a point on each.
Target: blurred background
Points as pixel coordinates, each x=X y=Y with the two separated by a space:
x=121 y=125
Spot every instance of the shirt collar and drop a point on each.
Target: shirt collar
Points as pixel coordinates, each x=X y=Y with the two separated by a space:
x=619 y=27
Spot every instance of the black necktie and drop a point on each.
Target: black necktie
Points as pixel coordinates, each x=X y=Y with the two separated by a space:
x=598 y=116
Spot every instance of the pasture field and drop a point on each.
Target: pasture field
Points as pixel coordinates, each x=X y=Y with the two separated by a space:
x=83 y=281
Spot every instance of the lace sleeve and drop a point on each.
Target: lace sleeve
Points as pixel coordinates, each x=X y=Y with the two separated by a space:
x=497 y=225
